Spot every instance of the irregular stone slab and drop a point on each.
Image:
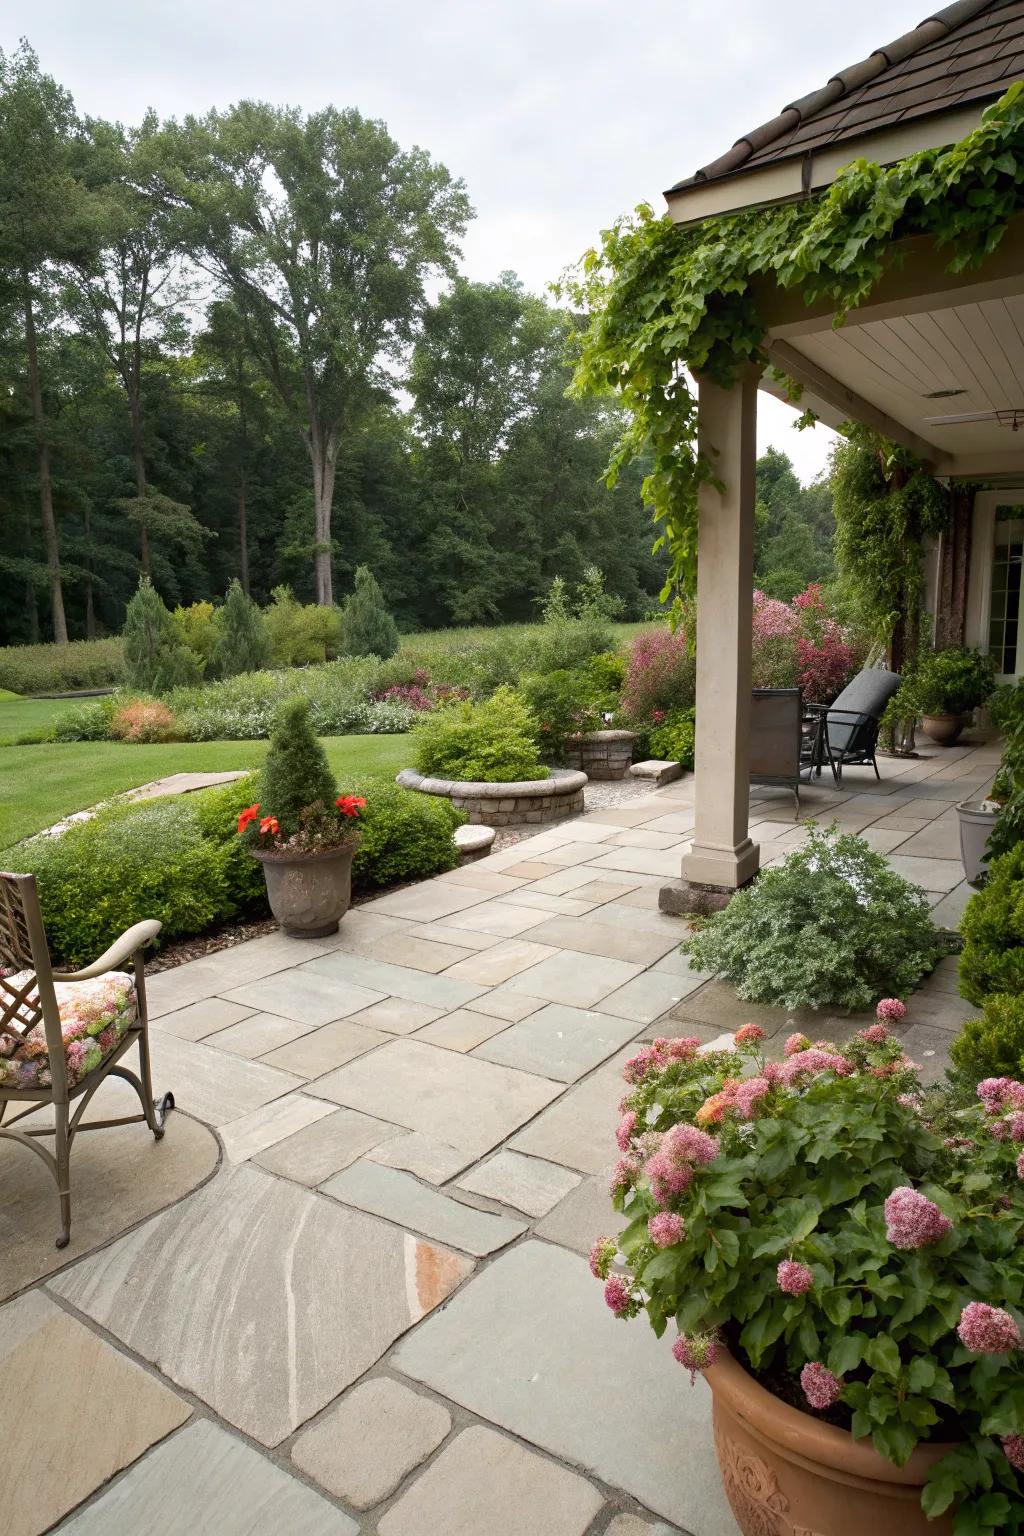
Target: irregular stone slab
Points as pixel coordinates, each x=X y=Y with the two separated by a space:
x=427 y=901
x=641 y=861
x=400 y=1198
x=502 y=918
x=527 y=1183
x=599 y=935
x=575 y=979
x=326 y=1146
x=258 y=1034
x=283 y=1117
x=511 y=1006
x=200 y=1019
x=359 y=971
x=78 y=1413
x=643 y=837
x=647 y=997
x=427 y=1158
x=226 y=1294
x=375 y=1436
x=493 y=966
x=303 y=995
x=930 y=874
x=947 y=912
x=717 y=1005
x=562 y=1043
x=579 y=1131
x=397 y=1016
x=214 y=1085
x=467 y=1103
x=583 y=1216
x=485 y=1483
x=324 y=1049
x=539 y=898
x=119 y=1176
x=407 y=948
x=531 y=1346
x=658 y=770
x=929 y=1048
x=448 y=936
x=462 y=1030
x=203 y=1480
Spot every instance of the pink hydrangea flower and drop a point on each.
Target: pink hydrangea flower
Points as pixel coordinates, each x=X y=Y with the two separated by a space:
x=696 y=1352
x=749 y=1094
x=684 y=1049
x=796 y=1043
x=821 y=1388
x=875 y=1034
x=912 y=1220
x=794 y=1278
x=749 y=1034
x=624 y=1174
x=624 y=1133
x=1020 y=1166
x=665 y=1228
x=890 y=1010
x=668 y=1178
x=601 y=1257
x=1015 y=1125
x=693 y=1145
x=988 y=1330
x=999 y=1094
x=1013 y=1449
x=616 y=1295
x=812 y=1061
x=638 y=1066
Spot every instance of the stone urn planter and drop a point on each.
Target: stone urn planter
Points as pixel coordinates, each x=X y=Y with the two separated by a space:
x=944 y=730
x=533 y=802
x=309 y=893
x=601 y=754
x=976 y=818
x=786 y=1473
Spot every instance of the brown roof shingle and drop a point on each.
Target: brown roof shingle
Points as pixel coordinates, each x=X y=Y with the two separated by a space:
x=969 y=52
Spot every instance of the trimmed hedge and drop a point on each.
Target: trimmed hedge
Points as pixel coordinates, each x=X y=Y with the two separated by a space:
x=993 y=929
x=62 y=668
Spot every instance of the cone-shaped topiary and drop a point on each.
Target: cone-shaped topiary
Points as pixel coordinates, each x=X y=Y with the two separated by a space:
x=295 y=771
x=242 y=644
x=367 y=628
x=155 y=660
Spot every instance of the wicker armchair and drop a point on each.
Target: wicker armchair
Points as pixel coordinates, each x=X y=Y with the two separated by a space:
x=63 y=1033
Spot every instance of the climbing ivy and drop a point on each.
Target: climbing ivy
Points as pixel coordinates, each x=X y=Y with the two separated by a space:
x=661 y=299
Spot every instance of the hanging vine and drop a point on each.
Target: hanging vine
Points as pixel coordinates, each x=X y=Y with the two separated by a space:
x=661 y=300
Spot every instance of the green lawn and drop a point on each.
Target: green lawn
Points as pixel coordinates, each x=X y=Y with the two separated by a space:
x=39 y=785
x=20 y=715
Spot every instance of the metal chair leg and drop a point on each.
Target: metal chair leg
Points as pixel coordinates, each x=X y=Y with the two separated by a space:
x=62 y=1151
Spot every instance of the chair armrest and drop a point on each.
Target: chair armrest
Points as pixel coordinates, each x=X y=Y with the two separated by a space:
x=121 y=950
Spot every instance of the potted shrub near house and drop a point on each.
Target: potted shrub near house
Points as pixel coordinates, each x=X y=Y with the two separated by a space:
x=948 y=686
x=841 y=1257
x=301 y=830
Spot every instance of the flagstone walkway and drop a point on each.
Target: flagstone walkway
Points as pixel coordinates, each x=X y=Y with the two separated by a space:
x=375 y=1314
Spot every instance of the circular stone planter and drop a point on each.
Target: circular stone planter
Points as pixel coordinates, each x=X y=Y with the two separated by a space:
x=787 y=1472
x=534 y=801
x=944 y=730
x=309 y=893
x=601 y=754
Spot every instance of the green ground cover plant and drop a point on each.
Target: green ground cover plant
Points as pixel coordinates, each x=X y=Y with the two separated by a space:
x=675 y=740
x=832 y=925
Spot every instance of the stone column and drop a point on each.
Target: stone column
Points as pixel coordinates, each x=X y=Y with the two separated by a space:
x=722 y=854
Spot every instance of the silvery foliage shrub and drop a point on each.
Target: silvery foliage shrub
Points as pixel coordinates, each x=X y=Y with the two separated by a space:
x=834 y=924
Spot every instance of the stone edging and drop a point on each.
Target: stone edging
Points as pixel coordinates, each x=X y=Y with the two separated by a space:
x=531 y=801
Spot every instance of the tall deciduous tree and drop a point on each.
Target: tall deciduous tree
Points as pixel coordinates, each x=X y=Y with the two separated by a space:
x=45 y=217
x=324 y=231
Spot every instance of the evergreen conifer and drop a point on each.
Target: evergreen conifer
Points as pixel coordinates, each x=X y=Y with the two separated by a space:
x=243 y=644
x=367 y=628
x=154 y=657
x=296 y=773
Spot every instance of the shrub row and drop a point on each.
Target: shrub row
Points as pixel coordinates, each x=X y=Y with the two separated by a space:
x=180 y=861
x=61 y=668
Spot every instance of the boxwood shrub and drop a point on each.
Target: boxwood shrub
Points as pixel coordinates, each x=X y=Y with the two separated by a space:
x=993 y=930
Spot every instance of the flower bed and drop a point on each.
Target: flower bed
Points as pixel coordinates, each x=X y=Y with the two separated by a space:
x=534 y=801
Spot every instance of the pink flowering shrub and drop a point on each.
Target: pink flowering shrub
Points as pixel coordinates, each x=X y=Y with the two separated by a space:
x=814 y=1217
x=799 y=645
x=661 y=676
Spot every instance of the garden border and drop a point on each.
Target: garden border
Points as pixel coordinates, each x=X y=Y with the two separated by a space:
x=532 y=801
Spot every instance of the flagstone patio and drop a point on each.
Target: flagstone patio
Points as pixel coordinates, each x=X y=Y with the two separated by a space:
x=374 y=1313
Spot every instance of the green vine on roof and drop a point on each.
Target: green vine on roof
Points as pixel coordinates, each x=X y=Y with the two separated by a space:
x=661 y=298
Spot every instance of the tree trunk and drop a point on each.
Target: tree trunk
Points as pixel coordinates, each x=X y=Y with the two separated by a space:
x=90 y=612
x=31 y=602
x=139 y=462
x=323 y=453
x=50 y=539
x=243 y=538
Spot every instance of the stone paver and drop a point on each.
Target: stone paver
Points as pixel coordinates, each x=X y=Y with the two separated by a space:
x=583 y=1216
x=262 y=1298
x=409 y=949
x=263 y=1127
x=424 y=1156
x=200 y=1019
x=462 y=1030
x=649 y=996
x=492 y=966
x=930 y=874
x=313 y=1153
x=397 y=1016
x=575 y=979
x=324 y=1049
x=527 y=1183
x=214 y=1085
x=347 y=973
x=486 y=1483
x=362 y=1449
x=258 y=1034
x=498 y=918
x=558 y=1042
x=305 y=996
x=531 y=1346
x=457 y=1099
x=76 y=1411
x=510 y=1006
x=717 y=1005
x=206 y=1482
x=577 y=1131
x=398 y=1197
x=599 y=935
x=632 y=1525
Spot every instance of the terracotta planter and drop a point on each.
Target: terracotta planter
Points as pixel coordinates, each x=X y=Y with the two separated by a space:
x=788 y=1474
x=975 y=830
x=944 y=730
x=309 y=893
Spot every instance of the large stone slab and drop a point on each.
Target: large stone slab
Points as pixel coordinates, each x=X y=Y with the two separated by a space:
x=531 y=1346
x=526 y=1183
x=486 y=1485
x=303 y=995
x=263 y=1127
x=599 y=934
x=206 y=1482
x=490 y=967
x=647 y=997
x=467 y=1103
x=330 y=1144
x=262 y=1298
x=400 y=1198
x=363 y=1448
x=579 y=1131
x=119 y=1176
x=930 y=874
x=326 y=1048
x=462 y=1030
x=717 y=1006
x=200 y=1019
x=583 y=1216
x=214 y=1085
x=573 y=978
x=558 y=1042
x=424 y=1156
x=360 y=971
x=75 y=1412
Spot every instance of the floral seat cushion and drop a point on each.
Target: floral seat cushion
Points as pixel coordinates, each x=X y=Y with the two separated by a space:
x=94 y=1016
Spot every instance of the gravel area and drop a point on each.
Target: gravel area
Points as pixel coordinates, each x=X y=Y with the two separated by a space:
x=600 y=794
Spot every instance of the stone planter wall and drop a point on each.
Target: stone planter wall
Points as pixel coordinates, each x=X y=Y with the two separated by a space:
x=502 y=805
x=601 y=754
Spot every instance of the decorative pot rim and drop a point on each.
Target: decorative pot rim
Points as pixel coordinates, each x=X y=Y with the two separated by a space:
x=945 y=714
x=977 y=808
x=800 y=1437
x=602 y=735
x=304 y=856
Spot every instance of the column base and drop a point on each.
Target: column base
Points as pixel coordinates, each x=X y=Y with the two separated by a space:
x=725 y=867
x=680 y=898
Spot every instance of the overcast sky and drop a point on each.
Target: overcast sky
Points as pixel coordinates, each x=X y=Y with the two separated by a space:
x=559 y=116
